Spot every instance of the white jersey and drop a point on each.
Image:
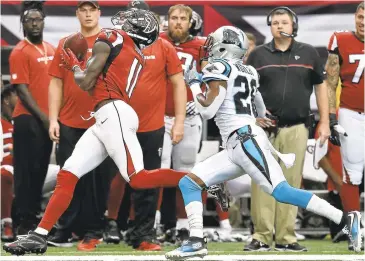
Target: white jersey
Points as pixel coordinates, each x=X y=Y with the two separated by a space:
x=238 y=108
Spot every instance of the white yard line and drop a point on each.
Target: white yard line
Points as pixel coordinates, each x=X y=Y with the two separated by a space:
x=209 y=257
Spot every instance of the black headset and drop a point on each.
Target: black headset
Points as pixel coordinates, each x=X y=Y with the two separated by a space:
x=295 y=22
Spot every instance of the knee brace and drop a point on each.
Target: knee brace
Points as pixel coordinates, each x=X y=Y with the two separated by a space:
x=284 y=193
x=190 y=190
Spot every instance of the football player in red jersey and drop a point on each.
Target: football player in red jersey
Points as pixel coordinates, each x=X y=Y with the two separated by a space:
x=182 y=155
x=8 y=101
x=346 y=60
x=110 y=77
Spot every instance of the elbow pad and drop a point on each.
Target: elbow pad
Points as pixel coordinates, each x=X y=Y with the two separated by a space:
x=208 y=112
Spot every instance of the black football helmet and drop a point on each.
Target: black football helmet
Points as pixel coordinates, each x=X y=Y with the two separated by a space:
x=196 y=24
x=141 y=25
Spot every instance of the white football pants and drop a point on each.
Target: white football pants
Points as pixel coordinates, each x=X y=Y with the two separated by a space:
x=184 y=154
x=352 y=146
x=252 y=156
x=113 y=134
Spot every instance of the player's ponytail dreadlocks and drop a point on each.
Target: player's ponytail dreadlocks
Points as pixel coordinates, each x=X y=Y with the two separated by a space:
x=31 y=5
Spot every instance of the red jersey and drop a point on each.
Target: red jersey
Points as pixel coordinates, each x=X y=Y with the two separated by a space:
x=188 y=52
x=75 y=102
x=122 y=69
x=8 y=142
x=29 y=66
x=149 y=98
x=350 y=50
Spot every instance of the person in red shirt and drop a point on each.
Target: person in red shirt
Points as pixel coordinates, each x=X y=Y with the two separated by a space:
x=68 y=106
x=29 y=63
x=181 y=156
x=346 y=60
x=8 y=101
x=161 y=65
x=110 y=76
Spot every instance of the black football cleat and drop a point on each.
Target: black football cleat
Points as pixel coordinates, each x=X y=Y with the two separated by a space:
x=221 y=195
x=31 y=243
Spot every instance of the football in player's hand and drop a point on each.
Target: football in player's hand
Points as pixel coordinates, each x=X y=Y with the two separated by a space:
x=78 y=45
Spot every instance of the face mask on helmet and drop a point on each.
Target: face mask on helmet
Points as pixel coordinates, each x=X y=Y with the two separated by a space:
x=204 y=51
x=141 y=25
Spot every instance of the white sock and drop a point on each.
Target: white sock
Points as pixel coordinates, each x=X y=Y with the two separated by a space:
x=224 y=224
x=182 y=223
x=41 y=231
x=194 y=211
x=322 y=207
x=6 y=220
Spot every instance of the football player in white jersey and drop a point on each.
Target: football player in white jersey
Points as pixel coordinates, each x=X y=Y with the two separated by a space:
x=233 y=98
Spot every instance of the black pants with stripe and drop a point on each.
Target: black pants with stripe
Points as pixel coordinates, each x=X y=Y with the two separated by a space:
x=85 y=215
x=32 y=150
x=145 y=201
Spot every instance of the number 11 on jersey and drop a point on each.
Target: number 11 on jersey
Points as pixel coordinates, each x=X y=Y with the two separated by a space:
x=133 y=77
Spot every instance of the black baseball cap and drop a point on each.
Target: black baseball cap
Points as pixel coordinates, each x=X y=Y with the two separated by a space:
x=93 y=3
x=138 y=5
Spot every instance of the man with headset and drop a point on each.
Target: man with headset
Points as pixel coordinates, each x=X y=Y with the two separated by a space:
x=288 y=70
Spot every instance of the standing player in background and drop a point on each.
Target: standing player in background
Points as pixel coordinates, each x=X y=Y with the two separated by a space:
x=29 y=63
x=8 y=101
x=346 y=60
x=161 y=64
x=67 y=104
x=182 y=155
x=110 y=76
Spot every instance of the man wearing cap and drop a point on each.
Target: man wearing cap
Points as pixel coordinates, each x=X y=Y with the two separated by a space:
x=68 y=104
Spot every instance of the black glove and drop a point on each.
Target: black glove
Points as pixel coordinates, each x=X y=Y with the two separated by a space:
x=335 y=135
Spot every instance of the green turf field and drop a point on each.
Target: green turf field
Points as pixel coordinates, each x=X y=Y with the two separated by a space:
x=315 y=247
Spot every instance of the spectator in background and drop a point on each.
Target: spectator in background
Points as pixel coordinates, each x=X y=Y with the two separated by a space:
x=8 y=101
x=288 y=70
x=67 y=104
x=29 y=63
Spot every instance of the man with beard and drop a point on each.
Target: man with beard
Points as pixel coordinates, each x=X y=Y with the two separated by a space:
x=181 y=156
x=29 y=63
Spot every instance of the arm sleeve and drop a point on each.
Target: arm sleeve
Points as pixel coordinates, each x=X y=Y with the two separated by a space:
x=55 y=70
x=173 y=65
x=19 y=67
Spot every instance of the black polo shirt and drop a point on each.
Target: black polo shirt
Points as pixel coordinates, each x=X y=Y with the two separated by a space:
x=287 y=78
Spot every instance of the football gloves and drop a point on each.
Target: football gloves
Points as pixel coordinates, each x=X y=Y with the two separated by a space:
x=192 y=76
x=69 y=60
x=336 y=130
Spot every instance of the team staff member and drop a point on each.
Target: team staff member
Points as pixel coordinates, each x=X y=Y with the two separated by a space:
x=182 y=155
x=67 y=103
x=149 y=101
x=288 y=70
x=29 y=63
